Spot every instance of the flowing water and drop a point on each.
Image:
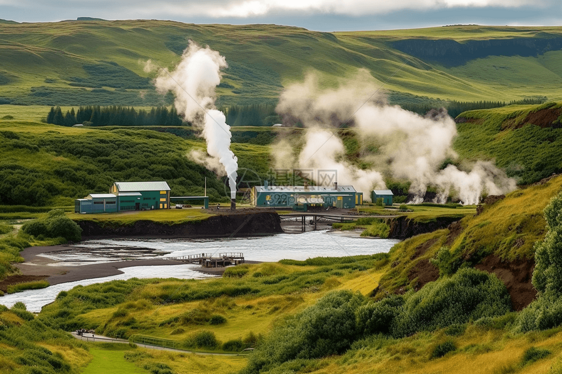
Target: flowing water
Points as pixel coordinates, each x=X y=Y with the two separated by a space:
x=269 y=248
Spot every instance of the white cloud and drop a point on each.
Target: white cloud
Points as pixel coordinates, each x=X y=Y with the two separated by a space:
x=250 y=8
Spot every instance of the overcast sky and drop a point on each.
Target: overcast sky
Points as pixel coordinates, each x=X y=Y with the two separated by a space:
x=322 y=15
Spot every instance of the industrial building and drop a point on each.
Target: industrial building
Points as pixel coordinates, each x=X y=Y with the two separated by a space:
x=304 y=197
x=385 y=195
x=126 y=196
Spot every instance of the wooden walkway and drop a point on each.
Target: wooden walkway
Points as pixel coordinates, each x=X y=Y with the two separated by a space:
x=210 y=260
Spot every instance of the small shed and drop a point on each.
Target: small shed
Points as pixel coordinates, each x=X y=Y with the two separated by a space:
x=385 y=195
x=97 y=203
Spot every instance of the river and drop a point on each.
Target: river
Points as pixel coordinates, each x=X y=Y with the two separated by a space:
x=265 y=249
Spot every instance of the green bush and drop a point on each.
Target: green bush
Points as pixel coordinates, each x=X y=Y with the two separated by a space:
x=442 y=349
x=217 y=320
x=376 y=318
x=35 y=285
x=23 y=314
x=377 y=229
x=327 y=328
x=446 y=262
x=236 y=272
x=55 y=225
x=35 y=228
x=5 y=229
x=546 y=311
x=534 y=354
x=19 y=305
x=205 y=339
x=235 y=345
x=468 y=295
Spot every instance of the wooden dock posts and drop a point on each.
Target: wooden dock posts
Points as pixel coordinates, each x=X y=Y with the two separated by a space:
x=211 y=260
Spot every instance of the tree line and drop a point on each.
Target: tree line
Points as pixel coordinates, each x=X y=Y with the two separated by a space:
x=454 y=108
x=251 y=115
x=115 y=116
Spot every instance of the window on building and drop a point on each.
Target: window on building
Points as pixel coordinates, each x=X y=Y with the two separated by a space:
x=110 y=202
x=163 y=192
x=163 y=199
x=98 y=202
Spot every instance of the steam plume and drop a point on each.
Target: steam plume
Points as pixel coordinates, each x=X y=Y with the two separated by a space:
x=193 y=82
x=408 y=146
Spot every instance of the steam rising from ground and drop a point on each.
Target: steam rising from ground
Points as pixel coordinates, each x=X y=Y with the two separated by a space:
x=409 y=147
x=193 y=82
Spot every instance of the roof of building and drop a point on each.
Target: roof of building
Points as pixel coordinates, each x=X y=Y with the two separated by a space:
x=142 y=186
x=102 y=195
x=309 y=189
x=383 y=192
x=130 y=194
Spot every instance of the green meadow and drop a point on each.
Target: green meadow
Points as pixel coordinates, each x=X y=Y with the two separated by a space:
x=101 y=62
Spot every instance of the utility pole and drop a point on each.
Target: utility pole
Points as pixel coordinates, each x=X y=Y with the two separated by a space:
x=205 y=186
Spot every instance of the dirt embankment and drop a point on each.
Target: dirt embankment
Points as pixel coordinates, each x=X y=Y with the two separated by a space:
x=265 y=223
x=516 y=276
x=403 y=227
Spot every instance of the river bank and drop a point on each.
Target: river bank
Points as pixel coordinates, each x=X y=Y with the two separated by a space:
x=241 y=224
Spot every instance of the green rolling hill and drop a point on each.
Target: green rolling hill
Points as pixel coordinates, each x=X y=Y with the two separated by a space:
x=101 y=62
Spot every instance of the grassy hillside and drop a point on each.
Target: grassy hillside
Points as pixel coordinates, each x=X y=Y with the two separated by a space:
x=100 y=62
x=261 y=305
x=44 y=164
x=524 y=140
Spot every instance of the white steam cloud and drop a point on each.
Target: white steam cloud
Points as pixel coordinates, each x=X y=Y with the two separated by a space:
x=408 y=147
x=193 y=82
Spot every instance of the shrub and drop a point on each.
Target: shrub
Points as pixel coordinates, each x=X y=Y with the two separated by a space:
x=378 y=229
x=375 y=318
x=235 y=272
x=27 y=286
x=534 y=354
x=327 y=328
x=445 y=262
x=206 y=339
x=35 y=228
x=23 y=314
x=19 y=305
x=403 y=208
x=217 y=320
x=55 y=225
x=546 y=311
x=442 y=349
x=63 y=227
x=5 y=229
x=235 y=345
x=251 y=339
x=468 y=295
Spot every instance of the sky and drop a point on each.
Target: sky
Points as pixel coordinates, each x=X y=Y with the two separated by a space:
x=320 y=15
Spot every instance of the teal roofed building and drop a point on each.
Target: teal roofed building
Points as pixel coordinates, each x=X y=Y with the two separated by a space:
x=386 y=196
x=304 y=197
x=127 y=196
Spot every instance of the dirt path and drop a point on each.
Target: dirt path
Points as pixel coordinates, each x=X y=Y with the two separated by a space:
x=104 y=339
